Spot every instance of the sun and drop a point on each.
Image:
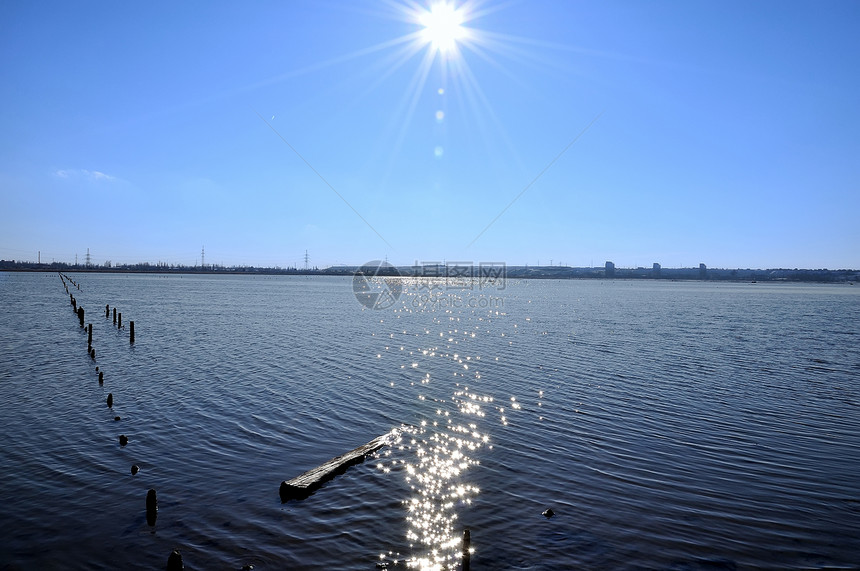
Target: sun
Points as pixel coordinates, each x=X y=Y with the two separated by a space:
x=442 y=26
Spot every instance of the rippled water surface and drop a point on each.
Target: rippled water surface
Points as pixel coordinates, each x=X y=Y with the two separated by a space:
x=667 y=425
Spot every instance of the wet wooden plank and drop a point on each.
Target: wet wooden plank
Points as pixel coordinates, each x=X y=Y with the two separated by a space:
x=302 y=486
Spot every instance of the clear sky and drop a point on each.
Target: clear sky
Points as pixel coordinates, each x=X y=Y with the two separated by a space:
x=723 y=132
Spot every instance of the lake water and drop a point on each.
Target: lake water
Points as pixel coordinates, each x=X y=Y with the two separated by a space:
x=668 y=425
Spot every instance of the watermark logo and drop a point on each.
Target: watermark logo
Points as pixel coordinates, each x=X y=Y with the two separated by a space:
x=377 y=285
x=462 y=276
x=442 y=302
x=431 y=285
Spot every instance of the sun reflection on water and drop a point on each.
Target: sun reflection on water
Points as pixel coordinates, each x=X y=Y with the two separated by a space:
x=437 y=456
x=434 y=458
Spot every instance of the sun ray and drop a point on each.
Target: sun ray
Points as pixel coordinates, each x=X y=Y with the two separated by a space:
x=413 y=93
x=481 y=106
x=391 y=65
x=502 y=43
x=479 y=51
x=280 y=78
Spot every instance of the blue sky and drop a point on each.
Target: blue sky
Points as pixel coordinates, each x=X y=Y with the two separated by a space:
x=726 y=133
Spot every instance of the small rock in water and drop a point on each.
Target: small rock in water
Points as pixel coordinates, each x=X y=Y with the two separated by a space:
x=123 y=439
x=174 y=562
x=134 y=469
x=548 y=512
x=247 y=567
x=117 y=418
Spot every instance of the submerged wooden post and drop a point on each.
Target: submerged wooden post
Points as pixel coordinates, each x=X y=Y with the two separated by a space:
x=131 y=331
x=90 y=334
x=119 y=320
x=114 y=315
x=101 y=377
x=107 y=310
x=174 y=561
x=467 y=555
x=81 y=315
x=151 y=507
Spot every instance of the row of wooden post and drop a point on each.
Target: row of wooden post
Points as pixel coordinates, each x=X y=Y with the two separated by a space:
x=175 y=560
x=64 y=277
x=117 y=319
x=151 y=502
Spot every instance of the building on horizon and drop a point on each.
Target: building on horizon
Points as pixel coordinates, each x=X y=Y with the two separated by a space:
x=609 y=272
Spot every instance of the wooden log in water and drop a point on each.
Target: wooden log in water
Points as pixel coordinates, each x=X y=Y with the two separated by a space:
x=303 y=486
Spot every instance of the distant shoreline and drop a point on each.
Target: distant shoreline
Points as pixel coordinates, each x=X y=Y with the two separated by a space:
x=475 y=272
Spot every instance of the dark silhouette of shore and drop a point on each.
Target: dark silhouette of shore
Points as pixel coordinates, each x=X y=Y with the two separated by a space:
x=459 y=271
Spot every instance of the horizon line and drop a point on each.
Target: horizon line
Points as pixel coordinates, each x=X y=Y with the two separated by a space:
x=6 y=265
